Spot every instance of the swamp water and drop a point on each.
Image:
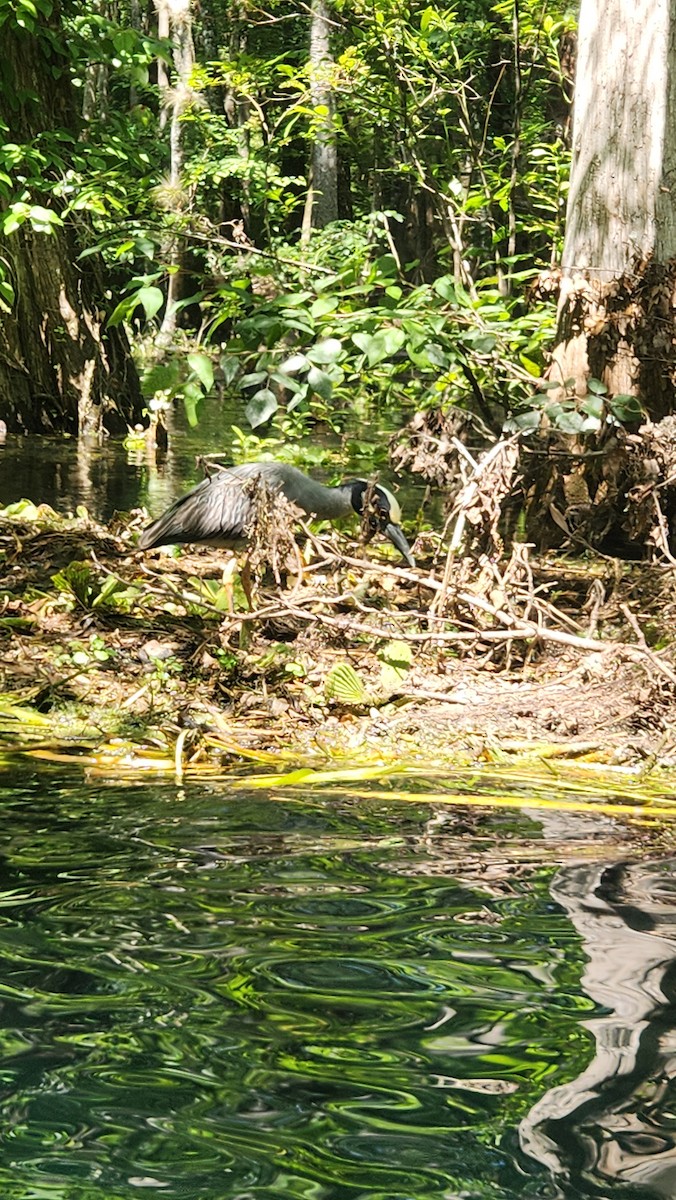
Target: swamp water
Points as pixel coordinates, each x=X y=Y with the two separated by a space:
x=212 y=992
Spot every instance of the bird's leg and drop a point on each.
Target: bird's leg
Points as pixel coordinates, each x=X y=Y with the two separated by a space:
x=227 y=584
x=247 y=582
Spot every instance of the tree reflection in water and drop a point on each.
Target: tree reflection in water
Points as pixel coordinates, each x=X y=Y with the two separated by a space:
x=616 y=1122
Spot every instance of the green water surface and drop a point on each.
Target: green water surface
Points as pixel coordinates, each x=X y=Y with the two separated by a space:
x=207 y=993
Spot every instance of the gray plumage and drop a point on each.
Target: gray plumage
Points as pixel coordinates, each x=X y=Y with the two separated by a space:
x=218 y=511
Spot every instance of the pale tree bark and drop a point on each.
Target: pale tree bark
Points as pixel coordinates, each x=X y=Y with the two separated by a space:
x=618 y=297
x=178 y=100
x=95 y=91
x=321 y=205
x=162 y=9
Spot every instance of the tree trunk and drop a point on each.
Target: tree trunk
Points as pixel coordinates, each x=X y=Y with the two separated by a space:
x=321 y=205
x=162 y=9
x=184 y=61
x=60 y=369
x=95 y=90
x=616 y=310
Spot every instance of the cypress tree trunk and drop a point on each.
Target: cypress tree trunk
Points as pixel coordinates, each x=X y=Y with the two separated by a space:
x=616 y=312
x=60 y=369
x=321 y=205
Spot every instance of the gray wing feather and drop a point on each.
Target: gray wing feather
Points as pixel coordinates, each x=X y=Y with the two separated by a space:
x=216 y=510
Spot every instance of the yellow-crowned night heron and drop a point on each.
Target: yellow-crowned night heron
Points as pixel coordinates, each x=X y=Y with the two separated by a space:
x=218 y=511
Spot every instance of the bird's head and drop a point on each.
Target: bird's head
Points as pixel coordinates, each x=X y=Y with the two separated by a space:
x=380 y=513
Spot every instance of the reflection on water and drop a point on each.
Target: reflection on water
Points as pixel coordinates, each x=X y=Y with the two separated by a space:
x=213 y=994
x=106 y=477
x=615 y=1120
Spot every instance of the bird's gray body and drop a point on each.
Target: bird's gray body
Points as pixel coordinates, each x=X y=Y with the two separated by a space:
x=219 y=510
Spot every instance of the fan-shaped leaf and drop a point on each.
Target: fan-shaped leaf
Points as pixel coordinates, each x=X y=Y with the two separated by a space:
x=343 y=684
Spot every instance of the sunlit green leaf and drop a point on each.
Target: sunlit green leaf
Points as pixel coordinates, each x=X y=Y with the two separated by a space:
x=344 y=685
x=326 y=351
x=320 y=382
x=324 y=305
x=202 y=365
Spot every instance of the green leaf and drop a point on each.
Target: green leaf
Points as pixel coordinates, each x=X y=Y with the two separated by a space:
x=427 y=17
x=570 y=422
x=43 y=220
x=597 y=387
x=320 y=382
x=202 y=365
x=297 y=362
x=362 y=341
x=229 y=367
x=483 y=343
x=524 y=422
x=261 y=407
x=7 y=296
x=531 y=367
x=445 y=287
x=109 y=587
x=324 y=305
x=626 y=408
x=436 y=355
x=252 y=379
x=326 y=351
x=397 y=654
x=152 y=300
x=192 y=394
x=298 y=398
x=385 y=343
x=286 y=381
x=344 y=685
x=396 y=658
x=593 y=406
x=122 y=311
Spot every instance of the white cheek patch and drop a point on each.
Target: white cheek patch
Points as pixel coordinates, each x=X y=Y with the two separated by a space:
x=395 y=511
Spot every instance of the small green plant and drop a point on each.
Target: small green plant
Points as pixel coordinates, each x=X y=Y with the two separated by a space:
x=344 y=685
x=88 y=654
x=79 y=584
x=217 y=594
x=187 y=377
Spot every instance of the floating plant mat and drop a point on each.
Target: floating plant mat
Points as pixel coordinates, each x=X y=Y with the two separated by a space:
x=530 y=782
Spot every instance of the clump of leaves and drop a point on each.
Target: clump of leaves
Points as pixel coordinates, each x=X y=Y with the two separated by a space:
x=79 y=583
x=345 y=686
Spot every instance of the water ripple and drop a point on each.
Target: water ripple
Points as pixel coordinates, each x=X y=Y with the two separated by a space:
x=213 y=996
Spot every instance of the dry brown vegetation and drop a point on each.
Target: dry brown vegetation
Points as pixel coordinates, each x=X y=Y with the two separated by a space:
x=459 y=659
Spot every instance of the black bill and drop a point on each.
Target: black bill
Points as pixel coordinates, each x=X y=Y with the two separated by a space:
x=396 y=536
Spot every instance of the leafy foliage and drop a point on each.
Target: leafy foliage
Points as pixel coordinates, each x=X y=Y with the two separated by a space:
x=451 y=136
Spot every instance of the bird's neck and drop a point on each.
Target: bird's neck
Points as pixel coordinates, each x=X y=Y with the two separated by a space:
x=326 y=503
